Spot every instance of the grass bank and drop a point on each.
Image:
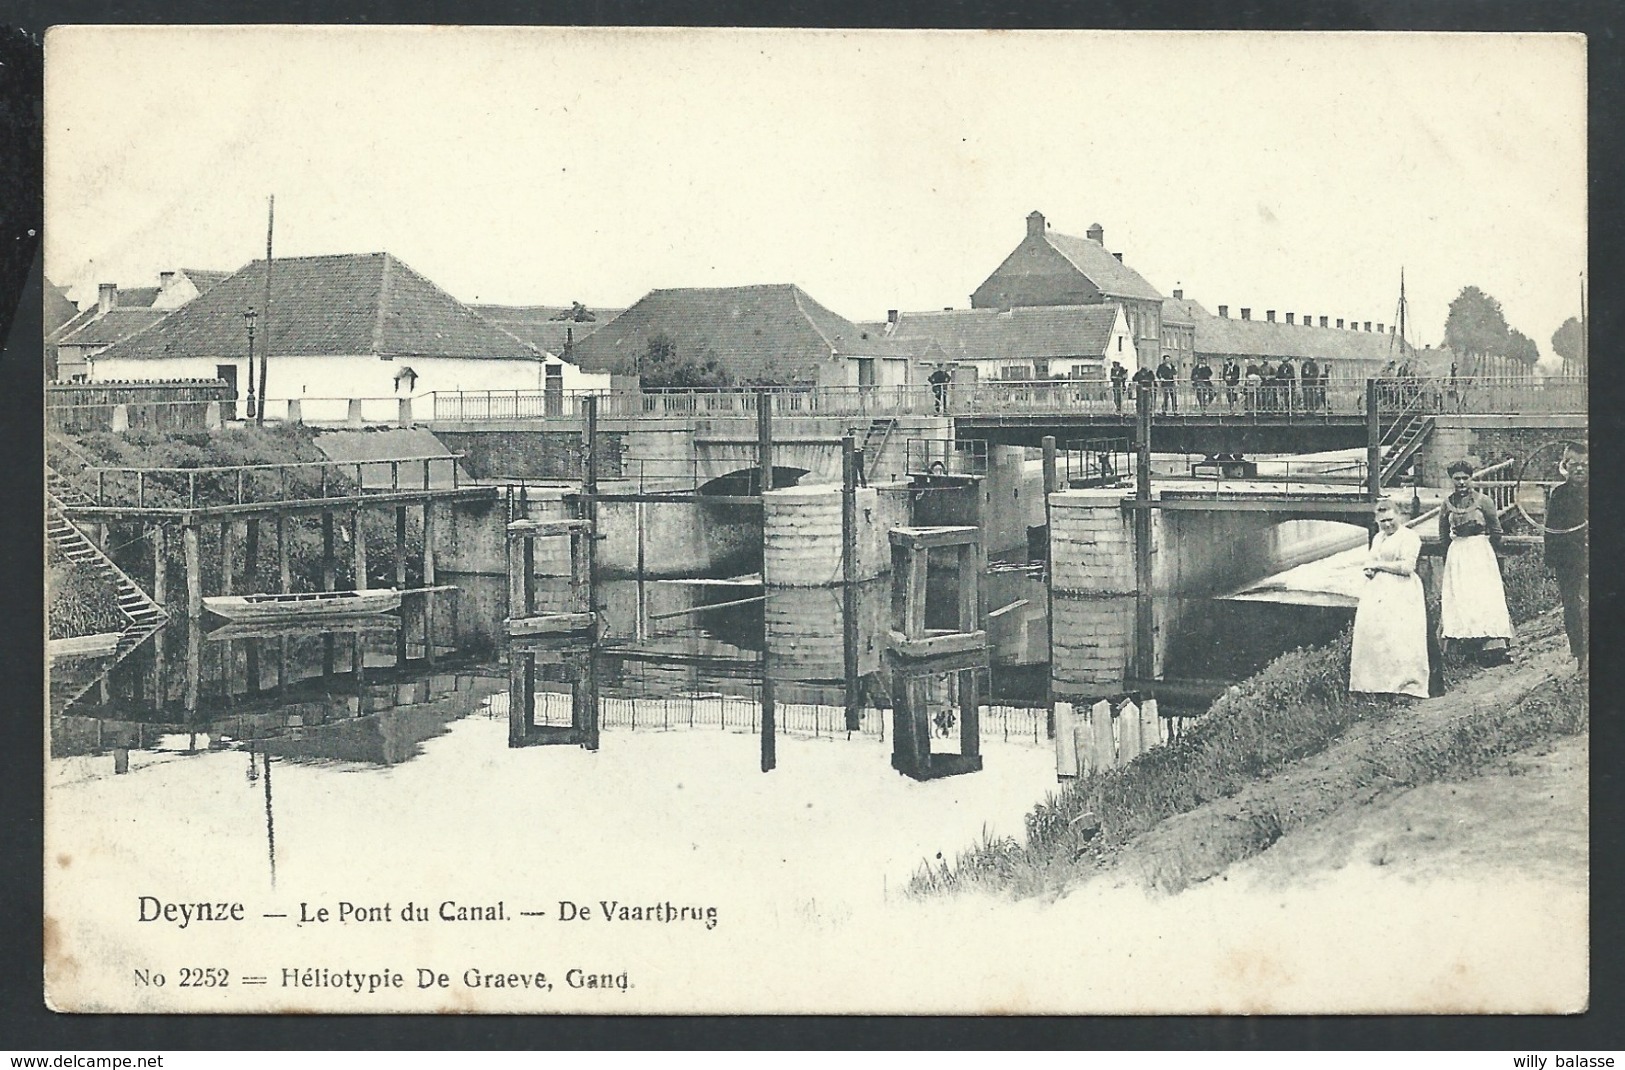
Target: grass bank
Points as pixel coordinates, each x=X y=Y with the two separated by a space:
x=1297 y=707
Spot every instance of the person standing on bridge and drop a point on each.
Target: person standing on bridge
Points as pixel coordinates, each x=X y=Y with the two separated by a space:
x=1390 y=651
x=1232 y=380
x=1202 y=381
x=1119 y=377
x=1168 y=375
x=1309 y=375
x=939 y=381
x=1473 y=604
x=1284 y=381
x=1145 y=381
x=1568 y=548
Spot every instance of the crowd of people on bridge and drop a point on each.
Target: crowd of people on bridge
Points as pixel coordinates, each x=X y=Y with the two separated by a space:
x=1392 y=653
x=1262 y=386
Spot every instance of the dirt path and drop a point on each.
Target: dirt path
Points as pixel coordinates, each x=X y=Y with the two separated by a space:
x=1530 y=813
x=1463 y=760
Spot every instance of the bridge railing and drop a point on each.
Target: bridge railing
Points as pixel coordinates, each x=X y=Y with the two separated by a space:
x=144 y=488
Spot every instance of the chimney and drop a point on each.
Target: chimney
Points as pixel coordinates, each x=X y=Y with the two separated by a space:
x=1323 y=322
x=891 y=317
x=569 y=342
x=1246 y=313
x=1224 y=311
x=1368 y=325
x=1269 y=314
x=1035 y=225
x=1340 y=325
x=1289 y=319
x=1096 y=233
x=1179 y=295
x=166 y=279
x=106 y=297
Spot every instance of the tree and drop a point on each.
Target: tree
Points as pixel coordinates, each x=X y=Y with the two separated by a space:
x=1476 y=326
x=1521 y=348
x=662 y=364
x=1569 y=341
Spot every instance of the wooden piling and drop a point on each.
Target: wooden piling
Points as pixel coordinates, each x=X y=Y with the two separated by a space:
x=518 y=723
x=359 y=550
x=328 y=580
x=1051 y=476
x=970 y=601
x=284 y=563
x=849 y=586
x=227 y=564
x=251 y=562
x=428 y=582
x=589 y=488
x=160 y=594
x=400 y=580
x=1144 y=637
x=970 y=714
x=194 y=571
x=770 y=743
x=1373 y=443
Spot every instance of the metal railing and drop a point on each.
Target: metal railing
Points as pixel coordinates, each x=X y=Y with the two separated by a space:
x=144 y=488
x=1097 y=462
x=1346 y=474
x=945 y=457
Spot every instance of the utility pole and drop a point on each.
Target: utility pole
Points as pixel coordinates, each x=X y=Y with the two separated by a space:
x=265 y=347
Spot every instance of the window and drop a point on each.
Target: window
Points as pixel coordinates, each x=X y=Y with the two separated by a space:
x=1014 y=372
x=1119 y=343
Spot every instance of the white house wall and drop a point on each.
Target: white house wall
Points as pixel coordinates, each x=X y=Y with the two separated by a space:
x=356 y=376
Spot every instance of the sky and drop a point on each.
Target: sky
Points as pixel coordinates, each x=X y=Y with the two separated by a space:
x=877 y=170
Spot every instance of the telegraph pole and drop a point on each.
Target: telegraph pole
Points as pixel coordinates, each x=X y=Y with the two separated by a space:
x=265 y=348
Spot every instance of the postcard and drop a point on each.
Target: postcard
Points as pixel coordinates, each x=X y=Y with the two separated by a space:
x=648 y=521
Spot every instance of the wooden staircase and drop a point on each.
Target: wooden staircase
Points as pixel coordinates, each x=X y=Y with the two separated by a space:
x=875 y=438
x=143 y=616
x=1403 y=437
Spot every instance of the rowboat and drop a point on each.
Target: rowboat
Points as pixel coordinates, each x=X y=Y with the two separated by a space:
x=304 y=605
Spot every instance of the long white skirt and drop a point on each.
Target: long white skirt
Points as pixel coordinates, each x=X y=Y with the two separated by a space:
x=1390 y=655
x=1474 y=604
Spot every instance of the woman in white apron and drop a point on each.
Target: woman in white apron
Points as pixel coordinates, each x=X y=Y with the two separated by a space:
x=1390 y=654
x=1473 y=603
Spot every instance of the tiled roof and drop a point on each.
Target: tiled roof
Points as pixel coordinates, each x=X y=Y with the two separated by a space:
x=137 y=297
x=1017 y=334
x=768 y=333
x=363 y=303
x=1221 y=336
x=1182 y=310
x=58 y=309
x=118 y=324
x=78 y=321
x=204 y=279
x=540 y=326
x=1109 y=275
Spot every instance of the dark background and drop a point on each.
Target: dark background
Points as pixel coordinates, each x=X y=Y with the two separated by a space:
x=26 y=1024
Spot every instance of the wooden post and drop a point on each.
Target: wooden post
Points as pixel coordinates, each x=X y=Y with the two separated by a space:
x=589 y=488
x=358 y=662
x=970 y=715
x=527 y=573
x=400 y=579
x=518 y=721
x=194 y=570
x=770 y=755
x=764 y=440
x=1105 y=751
x=914 y=593
x=284 y=565
x=227 y=565
x=849 y=584
x=1373 y=442
x=584 y=714
x=194 y=664
x=251 y=565
x=428 y=576
x=327 y=585
x=160 y=594
x=1051 y=476
x=969 y=593
x=359 y=550
x=1145 y=660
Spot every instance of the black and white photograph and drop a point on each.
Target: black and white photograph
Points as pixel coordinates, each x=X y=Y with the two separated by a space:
x=743 y=521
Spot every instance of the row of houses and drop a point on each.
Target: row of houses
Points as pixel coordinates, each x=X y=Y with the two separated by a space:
x=368 y=325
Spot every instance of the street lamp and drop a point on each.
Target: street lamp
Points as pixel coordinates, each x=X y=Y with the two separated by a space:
x=249 y=316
